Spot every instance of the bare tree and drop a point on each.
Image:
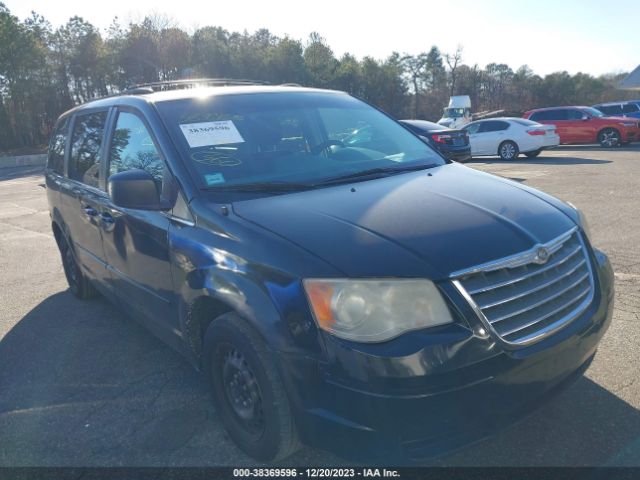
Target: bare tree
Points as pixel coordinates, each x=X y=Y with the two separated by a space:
x=453 y=61
x=415 y=67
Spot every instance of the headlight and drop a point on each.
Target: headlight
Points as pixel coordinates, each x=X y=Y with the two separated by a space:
x=582 y=220
x=375 y=310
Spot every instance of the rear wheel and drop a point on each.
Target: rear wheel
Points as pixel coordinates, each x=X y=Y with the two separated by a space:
x=78 y=282
x=247 y=390
x=533 y=154
x=508 y=150
x=609 y=137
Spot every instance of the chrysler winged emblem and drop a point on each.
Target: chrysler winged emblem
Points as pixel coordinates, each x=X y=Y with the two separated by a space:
x=542 y=255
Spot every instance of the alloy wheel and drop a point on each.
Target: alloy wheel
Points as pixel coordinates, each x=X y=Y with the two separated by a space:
x=609 y=138
x=507 y=151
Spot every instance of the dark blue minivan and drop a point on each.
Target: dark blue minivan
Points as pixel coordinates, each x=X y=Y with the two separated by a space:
x=358 y=293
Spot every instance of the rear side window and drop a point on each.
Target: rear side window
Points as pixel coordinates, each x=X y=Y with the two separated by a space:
x=132 y=148
x=86 y=144
x=549 y=115
x=57 y=144
x=630 y=108
x=574 y=114
x=493 y=126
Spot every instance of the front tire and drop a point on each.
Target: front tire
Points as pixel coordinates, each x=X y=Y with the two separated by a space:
x=533 y=154
x=609 y=138
x=508 y=150
x=78 y=282
x=247 y=389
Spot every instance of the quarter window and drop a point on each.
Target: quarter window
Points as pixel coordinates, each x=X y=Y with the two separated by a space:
x=86 y=143
x=57 y=145
x=630 y=108
x=132 y=148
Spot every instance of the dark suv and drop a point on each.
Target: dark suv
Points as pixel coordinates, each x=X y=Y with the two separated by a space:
x=356 y=293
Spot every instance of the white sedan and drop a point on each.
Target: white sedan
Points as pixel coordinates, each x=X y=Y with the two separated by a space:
x=508 y=137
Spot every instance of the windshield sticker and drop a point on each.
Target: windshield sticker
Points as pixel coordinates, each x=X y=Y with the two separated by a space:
x=214 y=178
x=216 y=159
x=211 y=133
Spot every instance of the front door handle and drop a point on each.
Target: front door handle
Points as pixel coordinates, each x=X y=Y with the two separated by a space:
x=90 y=211
x=106 y=218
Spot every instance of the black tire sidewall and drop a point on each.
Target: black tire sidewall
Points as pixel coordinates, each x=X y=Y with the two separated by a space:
x=220 y=334
x=82 y=288
x=75 y=287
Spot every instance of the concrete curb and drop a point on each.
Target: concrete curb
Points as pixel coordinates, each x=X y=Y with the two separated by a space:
x=23 y=161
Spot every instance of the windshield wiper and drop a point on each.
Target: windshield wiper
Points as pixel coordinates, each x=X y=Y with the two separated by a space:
x=295 y=187
x=260 y=187
x=374 y=172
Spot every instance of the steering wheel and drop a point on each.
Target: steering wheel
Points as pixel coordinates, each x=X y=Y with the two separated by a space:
x=325 y=145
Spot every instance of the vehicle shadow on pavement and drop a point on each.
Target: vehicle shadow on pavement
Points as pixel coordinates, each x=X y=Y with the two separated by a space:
x=81 y=384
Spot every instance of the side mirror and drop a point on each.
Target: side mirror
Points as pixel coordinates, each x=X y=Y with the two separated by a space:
x=586 y=118
x=134 y=189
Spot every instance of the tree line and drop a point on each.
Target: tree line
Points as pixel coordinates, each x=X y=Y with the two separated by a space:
x=45 y=71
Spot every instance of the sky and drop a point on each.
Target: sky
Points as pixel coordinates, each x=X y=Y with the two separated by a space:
x=547 y=35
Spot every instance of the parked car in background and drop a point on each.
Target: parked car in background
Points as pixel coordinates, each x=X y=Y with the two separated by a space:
x=627 y=108
x=453 y=144
x=508 y=137
x=587 y=125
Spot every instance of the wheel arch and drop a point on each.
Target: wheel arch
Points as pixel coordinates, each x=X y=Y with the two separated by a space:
x=225 y=293
x=200 y=313
x=603 y=129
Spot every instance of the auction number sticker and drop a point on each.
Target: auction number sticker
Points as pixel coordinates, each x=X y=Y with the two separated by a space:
x=205 y=134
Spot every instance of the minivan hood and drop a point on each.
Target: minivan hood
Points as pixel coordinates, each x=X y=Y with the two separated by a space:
x=427 y=223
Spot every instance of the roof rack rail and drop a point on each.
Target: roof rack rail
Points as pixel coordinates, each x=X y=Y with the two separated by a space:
x=187 y=83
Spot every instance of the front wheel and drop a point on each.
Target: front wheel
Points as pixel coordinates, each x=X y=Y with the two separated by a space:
x=533 y=154
x=508 y=150
x=248 y=392
x=609 y=137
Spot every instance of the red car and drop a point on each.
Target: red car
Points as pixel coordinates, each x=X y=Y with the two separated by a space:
x=587 y=125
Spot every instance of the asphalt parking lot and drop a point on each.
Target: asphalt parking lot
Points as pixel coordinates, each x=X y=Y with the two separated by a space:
x=81 y=384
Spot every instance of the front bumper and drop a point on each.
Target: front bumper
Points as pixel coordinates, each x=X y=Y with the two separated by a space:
x=422 y=395
x=631 y=136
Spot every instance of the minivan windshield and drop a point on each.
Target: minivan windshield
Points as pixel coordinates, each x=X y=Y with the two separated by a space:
x=288 y=139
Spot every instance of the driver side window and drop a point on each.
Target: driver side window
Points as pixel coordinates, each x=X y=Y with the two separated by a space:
x=472 y=128
x=132 y=148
